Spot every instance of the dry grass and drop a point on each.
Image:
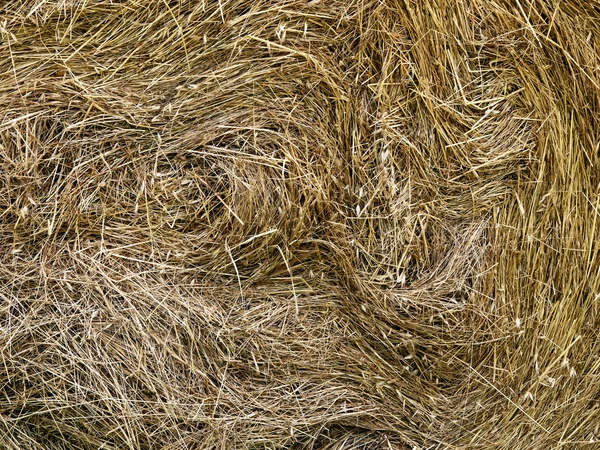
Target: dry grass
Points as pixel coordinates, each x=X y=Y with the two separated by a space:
x=346 y=224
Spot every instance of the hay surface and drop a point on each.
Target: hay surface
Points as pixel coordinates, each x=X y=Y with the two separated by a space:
x=358 y=224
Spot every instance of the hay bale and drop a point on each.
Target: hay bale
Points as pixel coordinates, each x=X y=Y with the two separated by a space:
x=286 y=224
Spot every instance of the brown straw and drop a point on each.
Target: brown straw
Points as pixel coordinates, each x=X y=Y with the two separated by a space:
x=275 y=224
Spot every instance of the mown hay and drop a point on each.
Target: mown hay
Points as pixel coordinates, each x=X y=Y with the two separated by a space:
x=235 y=224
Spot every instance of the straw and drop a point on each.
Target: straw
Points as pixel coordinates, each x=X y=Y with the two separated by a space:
x=281 y=224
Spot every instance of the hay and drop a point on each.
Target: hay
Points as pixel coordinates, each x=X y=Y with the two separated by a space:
x=270 y=224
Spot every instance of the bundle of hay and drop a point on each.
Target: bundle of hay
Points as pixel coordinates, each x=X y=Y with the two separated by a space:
x=345 y=224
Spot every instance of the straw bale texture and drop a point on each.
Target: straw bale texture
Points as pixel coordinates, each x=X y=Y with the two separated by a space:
x=291 y=224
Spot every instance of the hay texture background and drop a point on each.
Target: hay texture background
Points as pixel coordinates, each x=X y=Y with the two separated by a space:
x=269 y=224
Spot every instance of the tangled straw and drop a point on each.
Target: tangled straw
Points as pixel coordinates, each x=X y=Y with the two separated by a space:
x=269 y=224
